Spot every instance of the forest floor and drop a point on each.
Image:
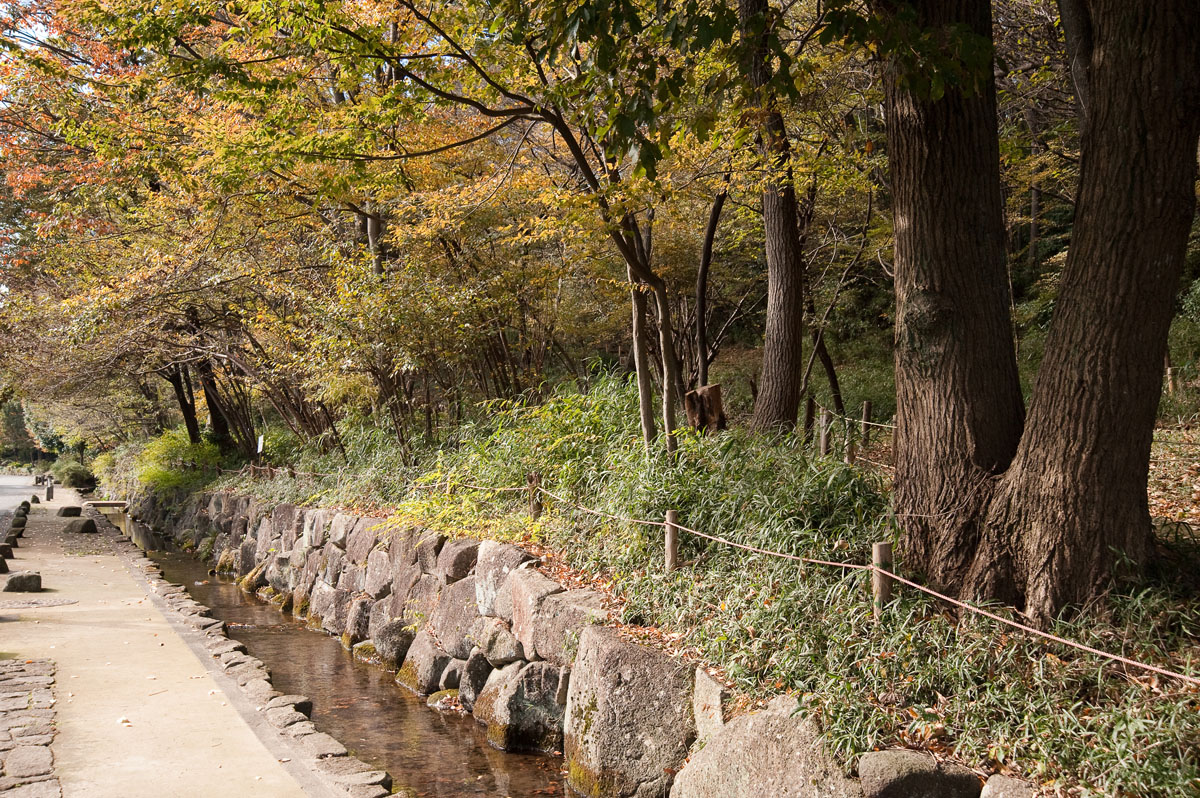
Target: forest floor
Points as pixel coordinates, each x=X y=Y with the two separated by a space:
x=1174 y=487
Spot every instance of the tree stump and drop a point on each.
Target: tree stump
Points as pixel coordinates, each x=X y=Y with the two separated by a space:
x=704 y=408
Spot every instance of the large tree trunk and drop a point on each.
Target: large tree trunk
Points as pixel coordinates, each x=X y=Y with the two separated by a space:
x=1073 y=505
x=783 y=363
x=958 y=400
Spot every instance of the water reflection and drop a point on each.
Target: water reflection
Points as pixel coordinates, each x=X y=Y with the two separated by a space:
x=428 y=754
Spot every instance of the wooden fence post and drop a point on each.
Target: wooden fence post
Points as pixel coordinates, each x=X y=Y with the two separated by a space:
x=1172 y=380
x=881 y=584
x=672 y=540
x=533 y=483
x=866 y=422
x=823 y=430
x=810 y=412
x=49 y=489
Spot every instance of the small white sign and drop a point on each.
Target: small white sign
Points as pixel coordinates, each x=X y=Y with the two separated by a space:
x=260 y=442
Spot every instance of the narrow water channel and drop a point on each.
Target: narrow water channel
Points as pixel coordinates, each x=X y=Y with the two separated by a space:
x=428 y=754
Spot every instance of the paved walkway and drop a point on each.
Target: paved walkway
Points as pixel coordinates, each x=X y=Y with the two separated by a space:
x=137 y=712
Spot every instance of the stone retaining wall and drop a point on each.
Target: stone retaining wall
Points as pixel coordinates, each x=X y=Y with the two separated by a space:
x=476 y=622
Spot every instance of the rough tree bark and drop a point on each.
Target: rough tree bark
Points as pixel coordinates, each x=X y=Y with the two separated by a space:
x=959 y=407
x=783 y=338
x=1040 y=517
x=1073 y=506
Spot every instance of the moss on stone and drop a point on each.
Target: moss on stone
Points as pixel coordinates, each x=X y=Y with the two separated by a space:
x=407 y=677
x=314 y=621
x=365 y=652
x=444 y=701
x=584 y=781
x=225 y=563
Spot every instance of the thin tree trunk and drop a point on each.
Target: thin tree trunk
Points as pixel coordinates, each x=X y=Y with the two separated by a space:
x=783 y=338
x=187 y=404
x=1073 y=511
x=641 y=363
x=706 y=253
x=959 y=407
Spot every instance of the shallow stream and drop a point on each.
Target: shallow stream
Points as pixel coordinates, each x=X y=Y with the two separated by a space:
x=427 y=753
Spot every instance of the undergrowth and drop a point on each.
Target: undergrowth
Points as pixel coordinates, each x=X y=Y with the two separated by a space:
x=998 y=700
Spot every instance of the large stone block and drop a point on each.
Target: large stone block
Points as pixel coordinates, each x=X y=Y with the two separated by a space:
x=560 y=620
x=286 y=520
x=913 y=774
x=423 y=665
x=629 y=720
x=456 y=559
x=69 y=512
x=340 y=528
x=494 y=563
x=264 y=536
x=522 y=707
x=358 y=619
x=379 y=574
x=765 y=753
x=381 y=613
x=473 y=679
x=499 y=645
x=427 y=549
x=400 y=542
x=392 y=641
x=529 y=589
x=352 y=578
x=418 y=603
x=363 y=538
x=315 y=530
x=456 y=618
x=334 y=622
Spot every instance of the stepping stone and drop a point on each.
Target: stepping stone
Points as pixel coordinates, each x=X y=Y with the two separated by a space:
x=69 y=512
x=6 y=551
x=24 y=582
x=80 y=526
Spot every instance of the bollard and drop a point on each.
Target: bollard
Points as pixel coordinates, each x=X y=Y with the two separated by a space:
x=823 y=425
x=866 y=422
x=49 y=489
x=672 y=540
x=533 y=483
x=881 y=584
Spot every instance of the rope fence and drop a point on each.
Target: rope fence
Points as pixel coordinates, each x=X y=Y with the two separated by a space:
x=881 y=570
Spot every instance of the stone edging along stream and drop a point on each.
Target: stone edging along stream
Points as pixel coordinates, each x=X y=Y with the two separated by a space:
x=318 y=754
x=476 y=623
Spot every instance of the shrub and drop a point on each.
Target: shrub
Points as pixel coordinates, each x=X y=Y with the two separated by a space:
x=72 y=473
x=172 y=463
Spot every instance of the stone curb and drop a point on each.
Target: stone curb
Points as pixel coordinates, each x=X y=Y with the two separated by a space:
x=285 y=717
